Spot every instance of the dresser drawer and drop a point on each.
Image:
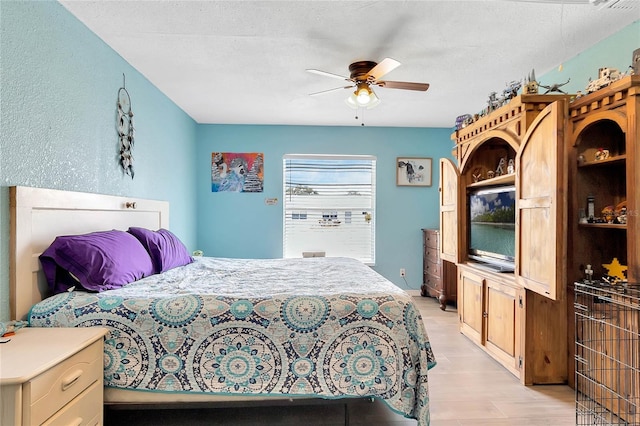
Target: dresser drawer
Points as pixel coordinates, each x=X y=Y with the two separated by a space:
x=432 y=254
x=433 y=281
x=433 y=285
x=431 y=239
x=433 y=268
x=45 y=394
x=86 y=409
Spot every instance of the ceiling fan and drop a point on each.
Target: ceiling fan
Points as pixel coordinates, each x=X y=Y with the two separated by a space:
x=365 y=74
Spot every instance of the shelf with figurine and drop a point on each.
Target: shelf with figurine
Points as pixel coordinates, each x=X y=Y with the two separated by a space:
x=495 y=180
x=603 y=225
x=615 y=274
x=602 y=143
x=504 y=173
x=611 y=217
x=610 y=160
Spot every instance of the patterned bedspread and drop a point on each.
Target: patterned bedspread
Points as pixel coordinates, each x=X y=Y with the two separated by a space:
x=327 y=327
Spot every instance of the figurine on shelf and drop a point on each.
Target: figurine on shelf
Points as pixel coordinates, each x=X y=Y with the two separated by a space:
x=463 y=121
x=511 y=91
x=477 y=174
x=591 y=208
x=511 y=168
x=555 y=87
x=622 y=218
x=501 y=166
x=493 y=102
x=602 y=154
x=588 y=272
x=491 y=174
x=608 y=214
x=531 y=85
x=621 y=213
x=582 y=216
x=606 y=76
x=616 y=270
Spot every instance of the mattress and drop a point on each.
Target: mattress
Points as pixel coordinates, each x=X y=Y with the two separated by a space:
x=321 y=327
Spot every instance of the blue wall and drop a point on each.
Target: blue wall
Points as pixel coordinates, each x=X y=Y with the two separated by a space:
x=242 y=225
x=613 y=52
x=59 y=91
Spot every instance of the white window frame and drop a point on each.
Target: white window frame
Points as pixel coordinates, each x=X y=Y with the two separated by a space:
x=365 y=228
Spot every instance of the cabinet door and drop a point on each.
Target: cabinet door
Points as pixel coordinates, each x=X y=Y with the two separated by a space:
x=541 y=204
x=471 y=306
x=501 y=322
x=450 y=237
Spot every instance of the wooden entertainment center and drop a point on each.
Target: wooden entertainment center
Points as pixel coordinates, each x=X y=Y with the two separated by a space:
x=524 y=319
x=518 y=318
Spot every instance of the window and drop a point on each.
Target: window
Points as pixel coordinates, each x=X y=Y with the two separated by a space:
x=329 y=204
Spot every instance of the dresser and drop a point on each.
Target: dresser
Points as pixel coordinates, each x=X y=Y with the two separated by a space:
x=438 y=276
x=52 y=376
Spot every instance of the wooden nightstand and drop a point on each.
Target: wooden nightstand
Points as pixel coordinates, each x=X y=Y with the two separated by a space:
x=52 y=376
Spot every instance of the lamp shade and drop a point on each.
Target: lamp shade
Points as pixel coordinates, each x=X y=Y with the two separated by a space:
x=362 y=97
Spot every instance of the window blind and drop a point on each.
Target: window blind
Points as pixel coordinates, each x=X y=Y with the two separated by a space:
x=329 y=206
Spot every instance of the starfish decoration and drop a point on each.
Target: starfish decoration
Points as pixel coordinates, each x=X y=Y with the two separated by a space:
x=615 y=269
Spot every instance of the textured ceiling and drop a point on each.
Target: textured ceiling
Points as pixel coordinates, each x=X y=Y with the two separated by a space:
x=244 y=62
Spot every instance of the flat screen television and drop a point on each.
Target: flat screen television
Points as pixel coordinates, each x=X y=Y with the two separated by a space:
x=492 y=219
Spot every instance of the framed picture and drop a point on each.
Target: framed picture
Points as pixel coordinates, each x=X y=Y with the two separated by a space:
x=413 y=171
x=237 y=172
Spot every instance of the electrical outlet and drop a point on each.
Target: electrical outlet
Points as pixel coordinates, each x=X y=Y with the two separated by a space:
x=402 y=272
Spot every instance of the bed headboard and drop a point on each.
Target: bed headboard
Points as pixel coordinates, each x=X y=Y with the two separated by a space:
x=39 y=215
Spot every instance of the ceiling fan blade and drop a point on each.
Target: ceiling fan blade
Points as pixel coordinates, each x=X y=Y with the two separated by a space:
x=422 y=87
x=328 y=74
x=387 y=65
x=330 y=90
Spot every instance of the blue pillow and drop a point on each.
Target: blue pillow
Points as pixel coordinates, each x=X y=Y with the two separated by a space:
x=97 y=261
x=166 y=250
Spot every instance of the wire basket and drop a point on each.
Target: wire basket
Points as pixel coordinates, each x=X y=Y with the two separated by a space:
x=607 y=354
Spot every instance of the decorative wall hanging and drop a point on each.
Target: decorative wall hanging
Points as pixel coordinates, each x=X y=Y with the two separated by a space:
x=411 y=171
x=237 y=172
x=124 y=126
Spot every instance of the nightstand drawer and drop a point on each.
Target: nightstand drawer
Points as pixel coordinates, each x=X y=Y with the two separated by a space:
x=46 y=393
x=86 y=409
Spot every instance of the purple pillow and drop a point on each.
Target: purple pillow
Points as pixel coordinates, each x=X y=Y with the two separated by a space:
x=166 y=250
x=98 y=261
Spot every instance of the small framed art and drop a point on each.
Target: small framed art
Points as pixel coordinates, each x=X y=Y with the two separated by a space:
x=413 y=171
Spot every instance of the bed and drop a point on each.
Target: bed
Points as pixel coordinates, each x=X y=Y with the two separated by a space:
x=218 y=329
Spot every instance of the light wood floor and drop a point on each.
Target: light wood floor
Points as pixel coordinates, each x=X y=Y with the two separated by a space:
x=466 y=388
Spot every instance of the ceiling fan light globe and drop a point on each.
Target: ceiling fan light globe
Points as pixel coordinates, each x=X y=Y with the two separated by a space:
x=373 y=102
x=363 y=94
x=363 y=99
x=351 y=101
